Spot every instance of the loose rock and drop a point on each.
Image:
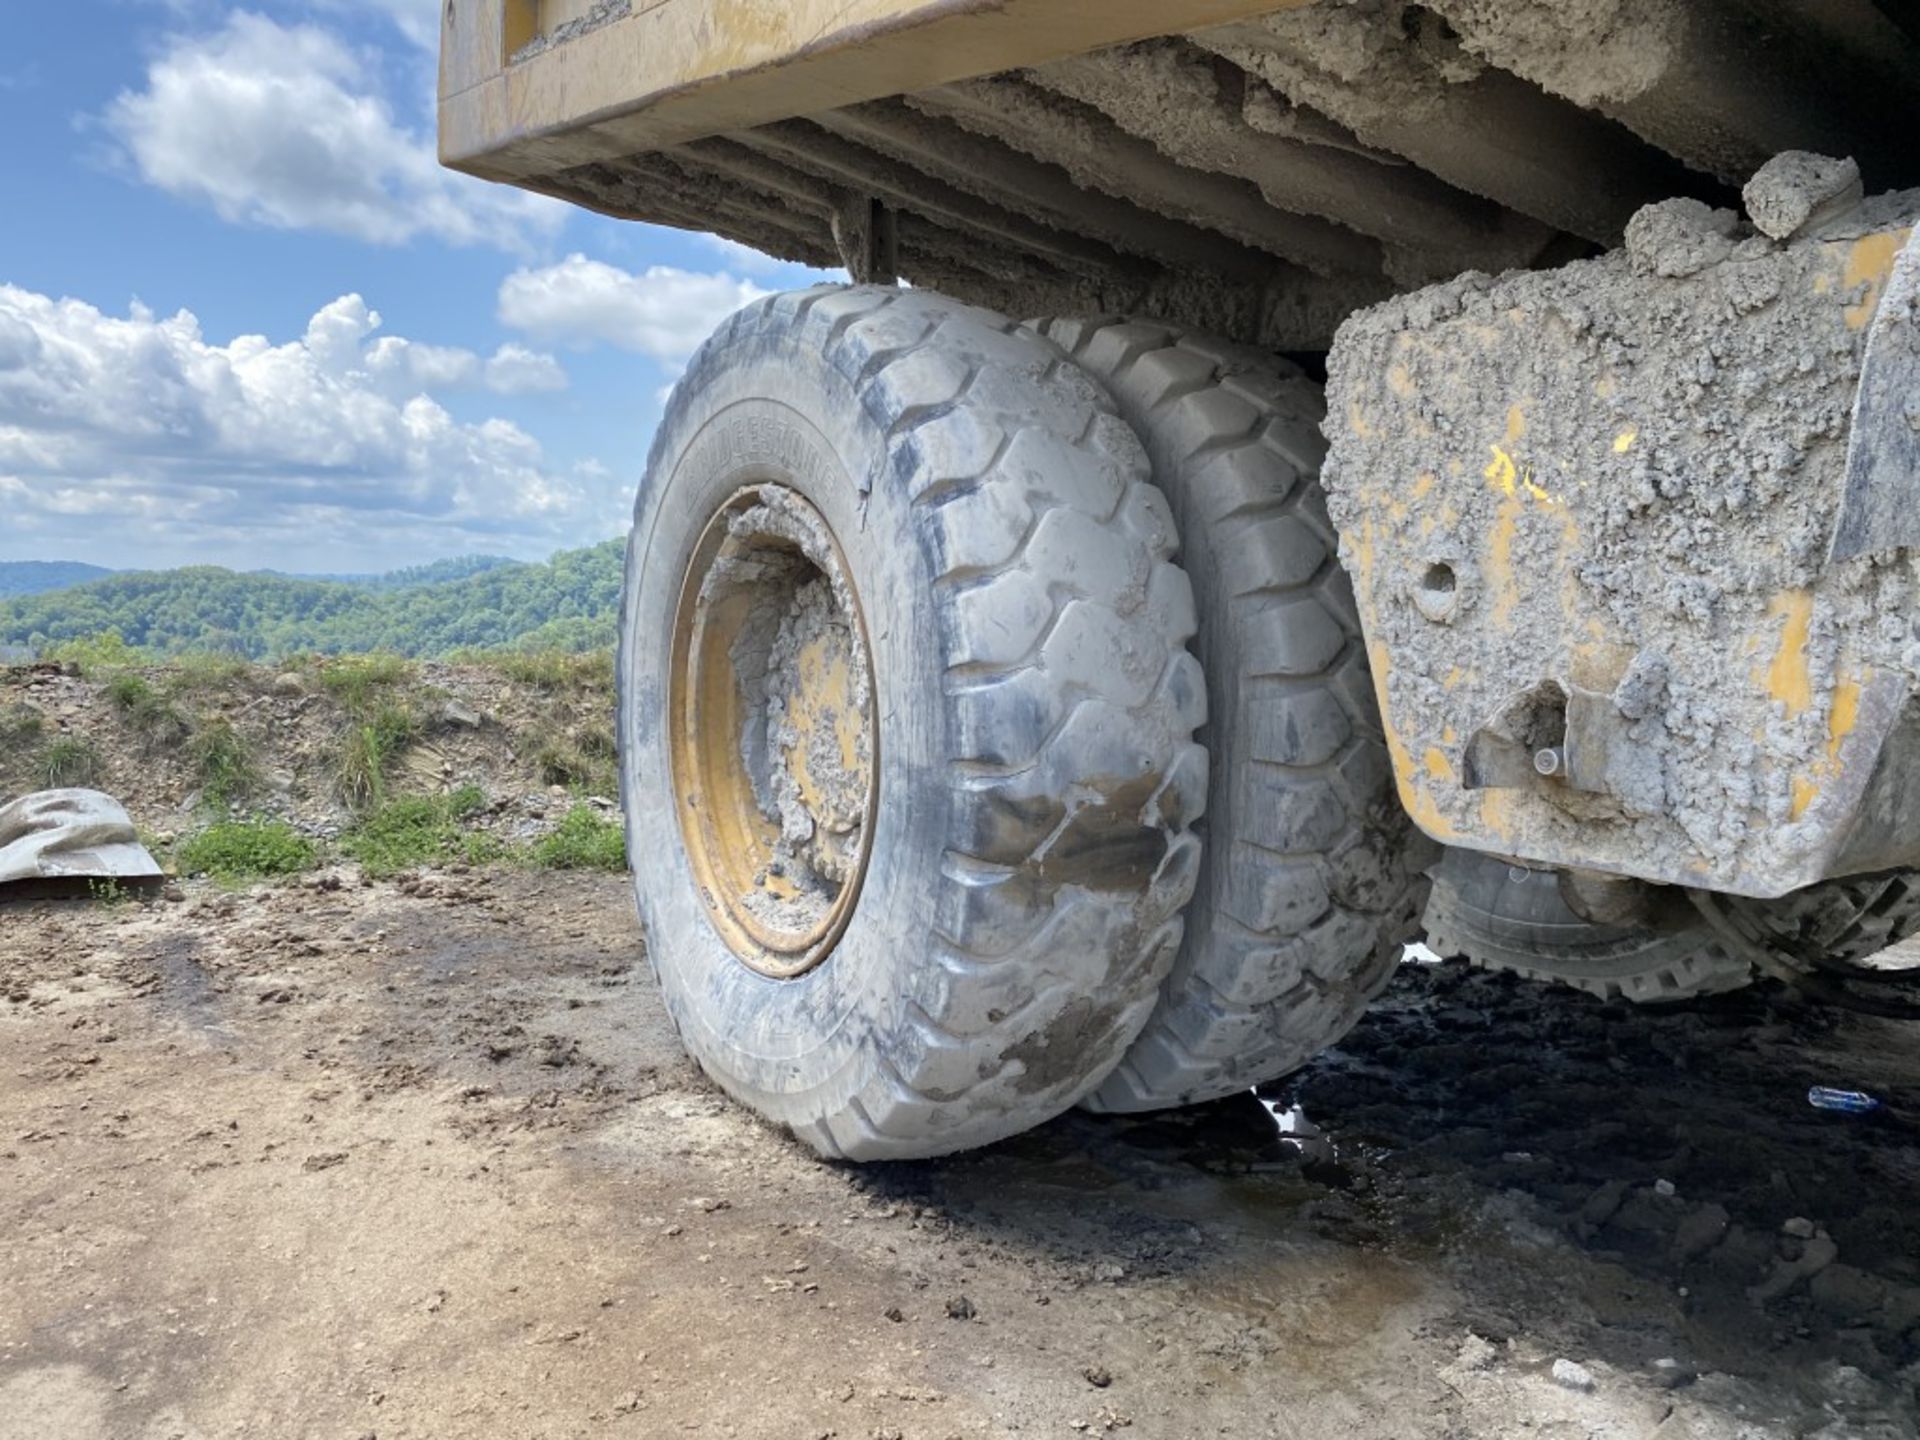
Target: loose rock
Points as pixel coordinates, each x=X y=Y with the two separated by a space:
x=1572 y=1376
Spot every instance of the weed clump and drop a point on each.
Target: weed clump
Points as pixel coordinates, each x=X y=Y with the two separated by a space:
x=95 y=655
x=107 y=890
x=581 y=759
x=146 y=710
x=206 y=671
x=20 y=725
x=242 y=850
x=69 y=761
x=367 y=748
x=128 y=690
x=222 y=761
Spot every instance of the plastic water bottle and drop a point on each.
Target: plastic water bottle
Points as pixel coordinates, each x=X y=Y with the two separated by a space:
x=1851 y=1102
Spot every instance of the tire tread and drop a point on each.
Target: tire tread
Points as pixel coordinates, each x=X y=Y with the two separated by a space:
x=1232 y=432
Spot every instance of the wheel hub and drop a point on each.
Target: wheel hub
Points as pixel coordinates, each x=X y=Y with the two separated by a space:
x=772 y=733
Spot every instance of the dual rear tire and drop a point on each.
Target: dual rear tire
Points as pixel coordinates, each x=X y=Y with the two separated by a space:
x=911 y=723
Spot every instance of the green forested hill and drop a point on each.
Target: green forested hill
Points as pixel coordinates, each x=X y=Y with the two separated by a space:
x=31 y=577
x=571 y=602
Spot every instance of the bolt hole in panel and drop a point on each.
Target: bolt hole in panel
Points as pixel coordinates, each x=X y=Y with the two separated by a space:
x=1438 y=593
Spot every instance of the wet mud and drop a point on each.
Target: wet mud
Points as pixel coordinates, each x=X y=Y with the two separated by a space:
x=424 y=1159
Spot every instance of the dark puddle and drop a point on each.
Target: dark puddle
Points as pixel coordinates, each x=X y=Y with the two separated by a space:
x=1677 y=1145
x=186 y=990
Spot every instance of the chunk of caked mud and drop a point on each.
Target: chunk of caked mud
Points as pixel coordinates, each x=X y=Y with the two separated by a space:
x=1797 y=191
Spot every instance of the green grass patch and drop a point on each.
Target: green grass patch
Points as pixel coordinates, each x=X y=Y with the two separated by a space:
x=69 y=760
x=359 y=681
x=367 y=748
x=585 y=840
x=128 y=690
x=201 y=674
x=417 y=830
x=242 y=850
x=222 y=761
x=554 y=671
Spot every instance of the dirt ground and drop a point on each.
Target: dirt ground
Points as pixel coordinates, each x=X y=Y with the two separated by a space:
x=424 y=1159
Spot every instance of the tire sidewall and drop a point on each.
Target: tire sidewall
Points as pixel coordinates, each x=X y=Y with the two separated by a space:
x=756 y=408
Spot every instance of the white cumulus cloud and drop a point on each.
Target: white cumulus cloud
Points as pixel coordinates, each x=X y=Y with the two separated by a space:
x=516 y=370
x=408 y=367
x=321 y=445
x=662 y=312
x=417 y=20
x=339 y=337
x=285 y=126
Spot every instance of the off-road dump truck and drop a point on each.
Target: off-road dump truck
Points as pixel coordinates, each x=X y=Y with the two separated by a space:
x=1321 y=452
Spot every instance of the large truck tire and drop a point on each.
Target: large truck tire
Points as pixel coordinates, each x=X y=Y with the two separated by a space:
x=1840 y=926
x=1497 y=915
x=907 y=722
x=1312 y=879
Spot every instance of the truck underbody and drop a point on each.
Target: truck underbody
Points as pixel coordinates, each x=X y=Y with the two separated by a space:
x=1617 y=544
x=1262 y=177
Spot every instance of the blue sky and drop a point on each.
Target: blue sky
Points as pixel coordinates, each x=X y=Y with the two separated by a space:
x=208 y=206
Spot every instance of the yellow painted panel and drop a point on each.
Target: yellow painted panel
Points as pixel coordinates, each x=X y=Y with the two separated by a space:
x=1869 y=263
x=470 y=33
x=678 y=70
x=1844 y=715
x=1789 y=679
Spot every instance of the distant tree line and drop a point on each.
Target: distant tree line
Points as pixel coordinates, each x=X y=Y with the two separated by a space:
x=569 y=602
x=31 y=577
x=432 y=573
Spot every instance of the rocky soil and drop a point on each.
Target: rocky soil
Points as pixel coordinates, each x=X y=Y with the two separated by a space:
x=471 y=725
x=423 y=1159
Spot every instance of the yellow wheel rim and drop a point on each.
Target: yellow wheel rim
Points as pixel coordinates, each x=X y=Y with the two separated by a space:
x=771 y=725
